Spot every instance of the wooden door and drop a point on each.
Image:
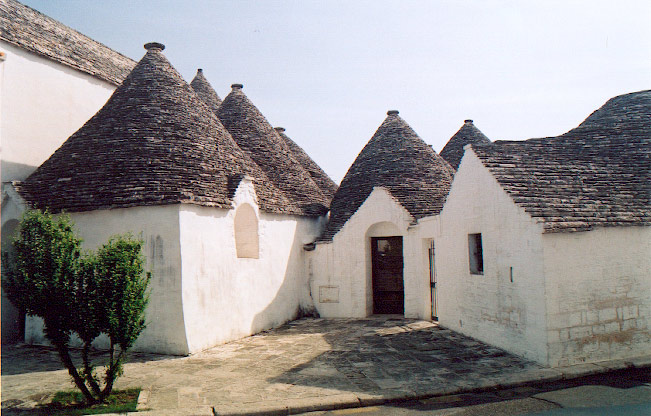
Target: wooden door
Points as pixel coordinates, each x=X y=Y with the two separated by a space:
x=388 y=283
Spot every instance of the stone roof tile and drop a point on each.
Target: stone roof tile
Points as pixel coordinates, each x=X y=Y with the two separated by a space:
x=253 y=133
x=397 y=159
x=35 y=32
x=205 y=91
x=467 y=134
x=598 y=174
x=327 y=185
x=153 y=143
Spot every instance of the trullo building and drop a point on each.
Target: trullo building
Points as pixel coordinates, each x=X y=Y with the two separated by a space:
x=224 y=236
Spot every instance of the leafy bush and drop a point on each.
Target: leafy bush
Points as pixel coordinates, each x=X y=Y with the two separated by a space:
x=83 y=293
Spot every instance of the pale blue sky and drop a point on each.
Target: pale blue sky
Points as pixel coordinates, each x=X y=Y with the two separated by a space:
x=328 y=71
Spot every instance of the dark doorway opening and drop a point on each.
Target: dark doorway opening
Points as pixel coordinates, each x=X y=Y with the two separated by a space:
x=388 y=282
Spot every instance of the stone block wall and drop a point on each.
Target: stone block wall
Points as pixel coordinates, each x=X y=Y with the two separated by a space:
x=598 y=294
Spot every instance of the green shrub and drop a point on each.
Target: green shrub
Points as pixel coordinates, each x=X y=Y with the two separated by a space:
x=83 y=293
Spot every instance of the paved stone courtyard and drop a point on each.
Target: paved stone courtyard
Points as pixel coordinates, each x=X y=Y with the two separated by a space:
x=305 y=362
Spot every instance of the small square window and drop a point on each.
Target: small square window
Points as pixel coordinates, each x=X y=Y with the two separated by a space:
x=475 y=254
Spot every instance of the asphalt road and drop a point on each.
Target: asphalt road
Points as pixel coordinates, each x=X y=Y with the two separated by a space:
x=619 y=393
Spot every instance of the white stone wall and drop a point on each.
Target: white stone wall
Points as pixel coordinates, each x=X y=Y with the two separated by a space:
x=491 y=307
x=598 y=294
x=158 y=226
x=13 y=207
x=340 y=271
x=226 y=297
x=418 y=299
x=41 y=104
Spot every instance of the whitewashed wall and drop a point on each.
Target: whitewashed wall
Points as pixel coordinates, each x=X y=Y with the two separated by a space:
x=12 y=208
x=418 y=298
x=226 y=297
x=598 y=294
x=41 y=104
x=490 y=307
x=158 y=226
x=340 y=271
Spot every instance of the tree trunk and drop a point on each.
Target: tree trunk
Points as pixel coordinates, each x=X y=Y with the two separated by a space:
x=88 y=372
x=64 y=354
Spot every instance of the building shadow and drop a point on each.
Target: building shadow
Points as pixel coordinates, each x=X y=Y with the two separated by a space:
x=381 y=355
x=24 y=358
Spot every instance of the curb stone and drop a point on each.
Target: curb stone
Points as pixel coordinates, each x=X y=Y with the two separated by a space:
x=365 y=400
x=143 y=399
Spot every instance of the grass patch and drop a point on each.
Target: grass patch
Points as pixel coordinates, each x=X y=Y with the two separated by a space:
x=71 y=403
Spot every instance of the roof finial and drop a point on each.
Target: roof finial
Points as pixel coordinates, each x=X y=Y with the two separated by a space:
x=199 y=71
x=392 y=112
x=237 y=86
x=153 y=46
x=467 y=121
x=279 y=129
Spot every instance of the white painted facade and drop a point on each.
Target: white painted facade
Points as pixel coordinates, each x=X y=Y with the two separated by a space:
x=491 y=307
x=202 y=293
x=42 y=102
x=226 y=297
x=555 y=298
x=339 y=272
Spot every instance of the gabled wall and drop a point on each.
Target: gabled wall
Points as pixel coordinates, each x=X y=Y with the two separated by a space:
x=598 y=294
x=41 y=104
x=340 y=271
x=226 y=297
x=491 y=307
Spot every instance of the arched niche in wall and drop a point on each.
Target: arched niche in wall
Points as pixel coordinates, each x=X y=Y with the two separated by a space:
x=246 y=232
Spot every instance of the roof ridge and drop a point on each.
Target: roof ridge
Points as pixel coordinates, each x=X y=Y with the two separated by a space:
x=13 y=5
x=594 y=175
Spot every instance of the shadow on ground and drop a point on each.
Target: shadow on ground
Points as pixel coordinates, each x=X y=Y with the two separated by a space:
x=44 y=358
x=382 y=354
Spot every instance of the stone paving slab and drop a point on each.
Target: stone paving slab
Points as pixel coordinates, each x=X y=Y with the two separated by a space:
x=305 y=365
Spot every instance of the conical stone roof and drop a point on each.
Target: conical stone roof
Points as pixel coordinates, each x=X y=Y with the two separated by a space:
x=253 y=133
x=397 y=159
x=205 y=91
x=467 y=134
x=154 y=142
x=327 y=185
